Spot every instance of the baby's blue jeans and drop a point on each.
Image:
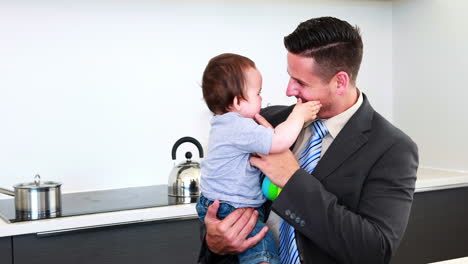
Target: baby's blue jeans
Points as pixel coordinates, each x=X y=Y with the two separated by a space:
x=265 y=250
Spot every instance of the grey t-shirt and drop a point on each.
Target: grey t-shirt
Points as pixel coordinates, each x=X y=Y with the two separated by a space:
x=226 y=173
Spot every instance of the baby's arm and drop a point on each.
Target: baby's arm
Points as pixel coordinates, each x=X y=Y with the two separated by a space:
x=286 y=133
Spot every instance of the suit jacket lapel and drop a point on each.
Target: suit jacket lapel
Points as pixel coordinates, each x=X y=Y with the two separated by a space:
x=350 y=139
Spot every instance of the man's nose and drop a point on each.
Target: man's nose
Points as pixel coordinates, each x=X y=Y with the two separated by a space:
x=292 y=89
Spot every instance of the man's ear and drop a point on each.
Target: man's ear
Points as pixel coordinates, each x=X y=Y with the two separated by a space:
x=342 y=82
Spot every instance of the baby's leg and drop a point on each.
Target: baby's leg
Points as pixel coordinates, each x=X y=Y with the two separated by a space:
x=264 y=252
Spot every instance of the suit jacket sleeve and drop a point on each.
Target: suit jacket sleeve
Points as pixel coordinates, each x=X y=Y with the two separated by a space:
x=368 y=234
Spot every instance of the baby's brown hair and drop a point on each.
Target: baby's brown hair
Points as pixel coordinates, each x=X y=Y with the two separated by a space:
x=223 y=80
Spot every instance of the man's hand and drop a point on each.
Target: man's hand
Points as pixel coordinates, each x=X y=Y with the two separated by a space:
x=278 y=167
x=229 y=236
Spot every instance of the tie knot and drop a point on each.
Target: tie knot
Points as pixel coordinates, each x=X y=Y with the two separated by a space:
x=319 y=129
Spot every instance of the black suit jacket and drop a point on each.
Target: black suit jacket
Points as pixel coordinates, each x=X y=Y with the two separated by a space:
x=355 y=206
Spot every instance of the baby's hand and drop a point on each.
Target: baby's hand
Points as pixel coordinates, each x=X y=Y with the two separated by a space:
x=307 y=110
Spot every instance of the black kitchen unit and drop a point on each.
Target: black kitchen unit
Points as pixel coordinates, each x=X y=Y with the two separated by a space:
x=437 y=228
x=176 y=241
x=6 y=254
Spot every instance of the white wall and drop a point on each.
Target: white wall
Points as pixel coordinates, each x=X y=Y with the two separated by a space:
x=95 y=93
x=430 y=40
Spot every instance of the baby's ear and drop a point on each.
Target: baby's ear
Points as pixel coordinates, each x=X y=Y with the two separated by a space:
x=235 y=106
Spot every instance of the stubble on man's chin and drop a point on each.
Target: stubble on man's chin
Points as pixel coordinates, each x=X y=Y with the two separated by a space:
x=324 y=112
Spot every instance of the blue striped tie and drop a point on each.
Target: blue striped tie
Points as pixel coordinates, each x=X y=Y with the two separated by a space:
x=308 y=160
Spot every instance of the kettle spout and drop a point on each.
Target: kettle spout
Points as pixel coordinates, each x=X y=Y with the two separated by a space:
x=7 y=192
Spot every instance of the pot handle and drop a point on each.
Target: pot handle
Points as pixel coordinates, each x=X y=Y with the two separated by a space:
x=7 y=192
x=183 y=140
x=37 y=179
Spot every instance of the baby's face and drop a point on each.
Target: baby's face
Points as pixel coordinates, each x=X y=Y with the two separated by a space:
x=253 y=87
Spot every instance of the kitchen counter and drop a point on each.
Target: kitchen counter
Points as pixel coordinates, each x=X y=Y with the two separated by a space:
x=95 y=209
x=98 y=220
x=435 y=179
x=428 y=180
x=453 y=261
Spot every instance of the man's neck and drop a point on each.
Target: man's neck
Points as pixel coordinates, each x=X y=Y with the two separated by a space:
x=350 y=99
x=345 y=102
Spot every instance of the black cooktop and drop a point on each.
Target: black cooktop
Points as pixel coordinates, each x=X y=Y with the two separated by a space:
x=81 y=203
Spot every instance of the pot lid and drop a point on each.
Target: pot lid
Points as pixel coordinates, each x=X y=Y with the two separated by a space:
x=37 y=184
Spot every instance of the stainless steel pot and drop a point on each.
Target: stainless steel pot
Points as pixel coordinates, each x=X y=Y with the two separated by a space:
x=184 y=180
x=36 y=200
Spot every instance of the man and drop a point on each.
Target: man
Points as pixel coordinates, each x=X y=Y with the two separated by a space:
x=353 y=205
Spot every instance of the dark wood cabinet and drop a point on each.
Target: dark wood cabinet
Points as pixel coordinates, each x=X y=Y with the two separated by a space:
x=437 y=228
x=176 y=241
x=6 y=255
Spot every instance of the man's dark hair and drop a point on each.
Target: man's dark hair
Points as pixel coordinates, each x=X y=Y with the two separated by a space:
x=224 y=79
x=334 y=44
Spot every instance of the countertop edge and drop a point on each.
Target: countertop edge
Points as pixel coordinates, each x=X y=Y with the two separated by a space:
x=64 y=224
x=429 y=179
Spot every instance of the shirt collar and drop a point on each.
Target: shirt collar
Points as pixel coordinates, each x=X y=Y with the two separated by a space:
x=336 y=123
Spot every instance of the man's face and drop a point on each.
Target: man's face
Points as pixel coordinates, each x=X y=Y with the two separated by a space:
x=305 y=84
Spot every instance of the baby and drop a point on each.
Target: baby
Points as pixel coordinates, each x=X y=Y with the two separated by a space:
x=231 y=87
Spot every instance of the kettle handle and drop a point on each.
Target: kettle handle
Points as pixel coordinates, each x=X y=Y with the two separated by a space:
x=183 y=140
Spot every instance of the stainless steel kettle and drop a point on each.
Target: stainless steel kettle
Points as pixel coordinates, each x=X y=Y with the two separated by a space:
x=184 y=179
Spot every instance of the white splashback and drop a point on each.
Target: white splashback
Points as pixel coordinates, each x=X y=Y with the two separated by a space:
x=430 y=79
x=95 y=93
